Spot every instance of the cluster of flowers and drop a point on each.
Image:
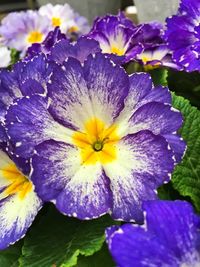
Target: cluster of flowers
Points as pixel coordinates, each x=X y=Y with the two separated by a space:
x=78 y=131
x=19 y=30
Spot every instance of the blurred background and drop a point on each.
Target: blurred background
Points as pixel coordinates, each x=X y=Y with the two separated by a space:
x=137 y=10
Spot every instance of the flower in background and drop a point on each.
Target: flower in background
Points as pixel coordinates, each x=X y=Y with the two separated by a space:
x=115 y=37
x=45 y=47
x=64 y=17
x=20 y=30
x=183 y=35
x=80 y=26
x=149 y=34
x=157 y=56
x=19 y=203
x=94 y=117
x=170 y=237
x=5 y=56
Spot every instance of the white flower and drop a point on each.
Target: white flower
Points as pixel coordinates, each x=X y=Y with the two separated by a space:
x=5 y=57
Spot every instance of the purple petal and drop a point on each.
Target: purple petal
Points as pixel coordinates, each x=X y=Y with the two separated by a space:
x=157 y=117
x=80 y=50
x=29 y=123
x=131 y=246
x=177 y=144
x=162 y=241
x=180 y=236
x=148 y=164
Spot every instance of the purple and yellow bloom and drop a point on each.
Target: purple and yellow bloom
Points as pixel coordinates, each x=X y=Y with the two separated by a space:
x=20 y=30
x=170 y=237
x=183 y=35
x=157 y=56
x=45 y=47
x=101 y=142
x=19 y=204
x=63 y=16
x=115 y=37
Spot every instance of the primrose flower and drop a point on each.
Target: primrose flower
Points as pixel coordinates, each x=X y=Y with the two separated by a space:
x=156 y=57
x=101 y=142
x=183 y=35
x=5 y=57
x=170 y=237
x=115 y=37
x=19 y=202
x=64 y=17
x=20 y=30
x=45 y=47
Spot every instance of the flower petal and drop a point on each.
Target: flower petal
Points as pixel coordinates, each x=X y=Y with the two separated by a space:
x=80 y=50
x=77 y=190
x=156 y=117
x=131 y=246
x=16 y=212
x=143 y=163
x=108 y=86
x=29 y=123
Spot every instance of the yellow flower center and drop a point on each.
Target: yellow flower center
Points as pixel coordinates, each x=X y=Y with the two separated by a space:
x=97 y=143
x=73 y=29
x=147 y=66
x=18 y=182
x=35 y=37
x=56 y=22
x=117 y=51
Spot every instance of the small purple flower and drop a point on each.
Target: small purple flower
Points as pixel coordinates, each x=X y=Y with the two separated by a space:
x=19 y=204
x=157 y=56
x=183 y=35
x=22 y=29
x=93 y=118
x=45 y=47
x=115 y=35
x=149 y=34
x=170 y=237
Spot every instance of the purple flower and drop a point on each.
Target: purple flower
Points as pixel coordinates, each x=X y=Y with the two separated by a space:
x=19 y=204
x=170 y=237
x=149 y=34
x=115 y=35
x=183 y=35
x=157 y=56
x=22 y=29
x=45 y=47
x=101 y=142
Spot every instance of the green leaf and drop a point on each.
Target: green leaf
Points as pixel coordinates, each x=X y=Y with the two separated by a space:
x=14 y=56
x=99 y=259
x=57 y=240
x=9 y=257
x=159 y=76
x=186 y=177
